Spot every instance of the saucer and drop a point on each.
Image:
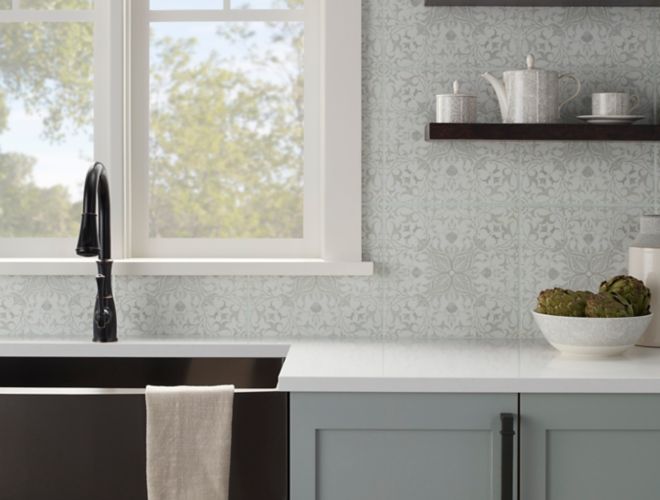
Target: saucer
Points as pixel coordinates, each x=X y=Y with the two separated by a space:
x=611 y=119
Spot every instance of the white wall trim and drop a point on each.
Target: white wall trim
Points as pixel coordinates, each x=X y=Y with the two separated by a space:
x=187 y=267
x=341 y=113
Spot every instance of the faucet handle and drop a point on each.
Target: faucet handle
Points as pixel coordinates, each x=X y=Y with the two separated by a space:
x=100 y=285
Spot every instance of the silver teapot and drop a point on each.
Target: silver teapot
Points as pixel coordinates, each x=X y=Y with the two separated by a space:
x=530 y=95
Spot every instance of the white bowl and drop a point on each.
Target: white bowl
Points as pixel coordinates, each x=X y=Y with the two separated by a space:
x=592 y=336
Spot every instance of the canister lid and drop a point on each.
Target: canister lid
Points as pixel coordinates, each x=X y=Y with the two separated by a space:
x=456 y=91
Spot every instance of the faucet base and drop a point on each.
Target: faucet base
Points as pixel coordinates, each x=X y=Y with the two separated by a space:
x=104 y=340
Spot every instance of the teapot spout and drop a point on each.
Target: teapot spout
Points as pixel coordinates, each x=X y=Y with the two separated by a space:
x=500 y=90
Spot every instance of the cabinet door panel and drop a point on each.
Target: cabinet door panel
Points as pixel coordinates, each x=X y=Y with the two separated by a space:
x=396 y=446
x=590 y=447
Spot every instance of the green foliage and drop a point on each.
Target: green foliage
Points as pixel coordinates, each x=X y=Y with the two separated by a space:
x=27 y=210
x=49 y=67
x=226 y=147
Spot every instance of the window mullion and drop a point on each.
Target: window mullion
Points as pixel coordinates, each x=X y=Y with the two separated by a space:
x=108 y=113
x=137 y=126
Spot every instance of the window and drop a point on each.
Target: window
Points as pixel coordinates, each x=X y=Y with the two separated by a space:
x=238 y=137
x=49 y=67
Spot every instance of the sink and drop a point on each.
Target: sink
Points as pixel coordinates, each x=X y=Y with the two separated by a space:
x=76 y=425
x=120 y=372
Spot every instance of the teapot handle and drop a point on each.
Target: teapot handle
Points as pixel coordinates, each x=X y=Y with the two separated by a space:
x=577 y=92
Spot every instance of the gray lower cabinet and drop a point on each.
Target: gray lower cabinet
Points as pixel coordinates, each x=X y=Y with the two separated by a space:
x=590 y=447
x=397 y=446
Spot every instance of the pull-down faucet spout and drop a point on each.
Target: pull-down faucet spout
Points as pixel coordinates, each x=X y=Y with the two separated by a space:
x=94 y=240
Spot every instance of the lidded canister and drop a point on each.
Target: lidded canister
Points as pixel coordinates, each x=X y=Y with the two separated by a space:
x=644 y=264
x=456 y=107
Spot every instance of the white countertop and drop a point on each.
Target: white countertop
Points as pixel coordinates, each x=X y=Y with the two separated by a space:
x=393 y=366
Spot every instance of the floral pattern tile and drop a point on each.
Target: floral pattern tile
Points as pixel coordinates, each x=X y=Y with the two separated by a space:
x=448 y=268
x=494 y=36
x=593 y=37
x=316 y=307
x=463 y=234
x=172 y=306
x=588 y=173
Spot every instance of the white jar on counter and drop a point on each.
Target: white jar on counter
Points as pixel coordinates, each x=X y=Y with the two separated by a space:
x=456 y=107
x=644 y=264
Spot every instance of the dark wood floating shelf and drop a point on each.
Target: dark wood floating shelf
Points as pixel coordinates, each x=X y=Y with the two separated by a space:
x=533 y=132
x=544 y=3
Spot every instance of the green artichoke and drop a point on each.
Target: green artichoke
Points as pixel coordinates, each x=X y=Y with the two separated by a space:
x=631 y=289
x=560 y=302
x=608 y=305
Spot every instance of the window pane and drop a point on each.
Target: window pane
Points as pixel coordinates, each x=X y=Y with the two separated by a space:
x=226 y=135
x=45 y=126
x=186 y=4
x=57 y=4
x=267 y=4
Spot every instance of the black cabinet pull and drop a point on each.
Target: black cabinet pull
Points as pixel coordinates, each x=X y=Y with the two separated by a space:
x=507 y=432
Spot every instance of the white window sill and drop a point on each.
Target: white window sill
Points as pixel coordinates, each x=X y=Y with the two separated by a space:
x=187 y=267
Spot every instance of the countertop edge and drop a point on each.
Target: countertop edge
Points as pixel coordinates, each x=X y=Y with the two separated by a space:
x=345 y=366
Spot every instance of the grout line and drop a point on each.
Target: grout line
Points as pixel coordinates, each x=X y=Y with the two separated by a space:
x=520 y=246
x=515 y=205
x=381 y=240
x=655 y=178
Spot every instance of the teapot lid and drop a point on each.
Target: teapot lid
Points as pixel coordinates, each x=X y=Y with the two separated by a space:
x=531 y=66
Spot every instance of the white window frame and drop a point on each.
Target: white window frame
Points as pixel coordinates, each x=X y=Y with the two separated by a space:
x=338 y=249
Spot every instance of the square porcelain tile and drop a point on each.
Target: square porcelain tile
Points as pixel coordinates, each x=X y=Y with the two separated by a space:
x=175 y=306
x=476 y=37
x=316 y=307
x=595 y=37
x=452 y=272
x=588 y=173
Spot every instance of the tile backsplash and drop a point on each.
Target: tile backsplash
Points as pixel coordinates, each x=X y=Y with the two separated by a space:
x=463 y=234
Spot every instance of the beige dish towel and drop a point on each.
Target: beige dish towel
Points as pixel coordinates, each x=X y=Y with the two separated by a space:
x=189 y=442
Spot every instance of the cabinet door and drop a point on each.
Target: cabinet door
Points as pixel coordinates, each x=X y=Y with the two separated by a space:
x=590 y=447
x=397 y=446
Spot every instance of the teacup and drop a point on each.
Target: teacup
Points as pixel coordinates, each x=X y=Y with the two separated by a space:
x=613 y=103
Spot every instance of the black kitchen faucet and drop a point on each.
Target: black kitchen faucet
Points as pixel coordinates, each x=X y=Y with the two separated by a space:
x=94 y=240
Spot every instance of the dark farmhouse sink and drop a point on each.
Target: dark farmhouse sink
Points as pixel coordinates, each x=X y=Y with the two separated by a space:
x=83 y=446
